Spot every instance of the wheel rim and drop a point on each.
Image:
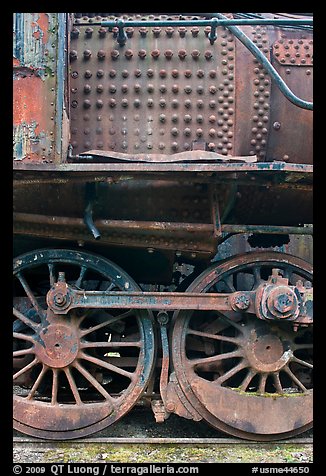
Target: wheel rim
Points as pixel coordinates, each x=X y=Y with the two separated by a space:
x=80 y=373
x=247 y=377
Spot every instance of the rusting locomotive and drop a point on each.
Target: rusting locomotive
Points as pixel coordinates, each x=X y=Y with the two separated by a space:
x=163 y=221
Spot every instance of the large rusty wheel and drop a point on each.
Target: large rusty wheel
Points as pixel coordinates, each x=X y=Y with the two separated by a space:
x=75 y=374
x=247 y=377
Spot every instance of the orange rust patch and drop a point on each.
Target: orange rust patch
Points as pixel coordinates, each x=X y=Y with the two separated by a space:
x=43 y=22
x=28 y=104
x=36 y=35
x=15 y=62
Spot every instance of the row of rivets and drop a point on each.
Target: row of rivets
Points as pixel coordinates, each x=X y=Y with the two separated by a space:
x=143 y=31
x=101 y=54
x=150 y=73
x=261 y=103
x=162 y=103
x=151 y=89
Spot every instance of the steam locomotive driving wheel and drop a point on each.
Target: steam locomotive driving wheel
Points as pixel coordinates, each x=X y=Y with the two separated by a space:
x=248 y=377
x=78 y=373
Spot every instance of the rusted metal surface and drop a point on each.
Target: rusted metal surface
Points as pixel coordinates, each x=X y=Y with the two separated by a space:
x=249 y=379
x=74 y=390
x=40 y=120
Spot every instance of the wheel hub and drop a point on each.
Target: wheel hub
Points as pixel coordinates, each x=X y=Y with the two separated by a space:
x=58 y=345
x=267 y=354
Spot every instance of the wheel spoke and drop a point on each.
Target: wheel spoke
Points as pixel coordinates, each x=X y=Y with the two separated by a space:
x=37 y=382
x=248 y=378
x=106 y=365
x=302 y=362
x=33 y=325
x=26 y=368
x=262 y=383
x=81 y=276
x=19 y=353
x=231 y=322
x=207 y=335
x=54 y=397
x=104 y=324
x=230 y=373
x=229 y=283
x=277 y=382
x=18 y=335
x=294 y=378
x=73 y=386
x=93 y=381
x=215 y=358
x=30 y=295
x=51 y=274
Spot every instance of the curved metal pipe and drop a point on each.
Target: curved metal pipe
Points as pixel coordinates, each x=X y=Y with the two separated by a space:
x=285 y=90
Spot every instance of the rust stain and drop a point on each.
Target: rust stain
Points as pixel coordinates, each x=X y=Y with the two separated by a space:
x=15 y=62
x=43 y=23
x=27 y=102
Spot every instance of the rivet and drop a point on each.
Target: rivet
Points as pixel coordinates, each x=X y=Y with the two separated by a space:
x=207 y=30
x=99 y=103
x=175 y=103
x=182 y=54
x=143 y=31
x=212 y=119
x=102 y=32
x=212 y=89
x=199 y=119
x=187 y=89
x=277 y=126
x=212 y=73
x=175 y=88
x=162 y=73
x=150 y=102
x=187 y=131
x=124 y=73
x=87 y=89
x=200 y=89
x=156 y=31
x=195 y=54
x=87 y=104
x=188 y=73
x=174 y=131
x=174 y=146
x=187 y=103
x=162 y=103
x=124 y=103
x=115 y=54
x=142 y=54
x=208 y=55
x=124 y=88
x=182 y=31
x=194 y=31
x=200 y=73
x=73 y=55
x=200 y=104
x=137 y=73
x=75 y=74
x=74 y=103
x=163 y=88
x=87 y=54
x=175 y=118
x=161 y=146
x=150 y=73
x=112 y=73
x=101 y=55
x=162 y=117
x=136 y=102
x=308 y=72
x=175 y=73
x=155 y=54
x=100 y=88
x=212 y=132
x=137 y=87
x=88 y=32
x=199 y=132
x=288 y=71
x=211 y=146
x=129 y=31
x=150 y=88
x=187 y=118
x=112 y=88
x=169 y=31
x=212 y=104
x=168 y=54
x=128 y=54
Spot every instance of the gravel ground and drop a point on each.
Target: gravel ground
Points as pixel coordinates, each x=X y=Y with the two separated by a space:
x=140 y=423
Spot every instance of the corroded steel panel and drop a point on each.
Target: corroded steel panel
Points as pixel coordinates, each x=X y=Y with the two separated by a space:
x=40 y=131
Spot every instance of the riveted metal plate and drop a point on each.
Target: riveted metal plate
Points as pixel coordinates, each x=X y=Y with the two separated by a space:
x=167 y=90
x=293 y=52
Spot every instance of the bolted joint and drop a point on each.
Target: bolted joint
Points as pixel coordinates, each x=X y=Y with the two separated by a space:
x=282 y=302
x=240 y=302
